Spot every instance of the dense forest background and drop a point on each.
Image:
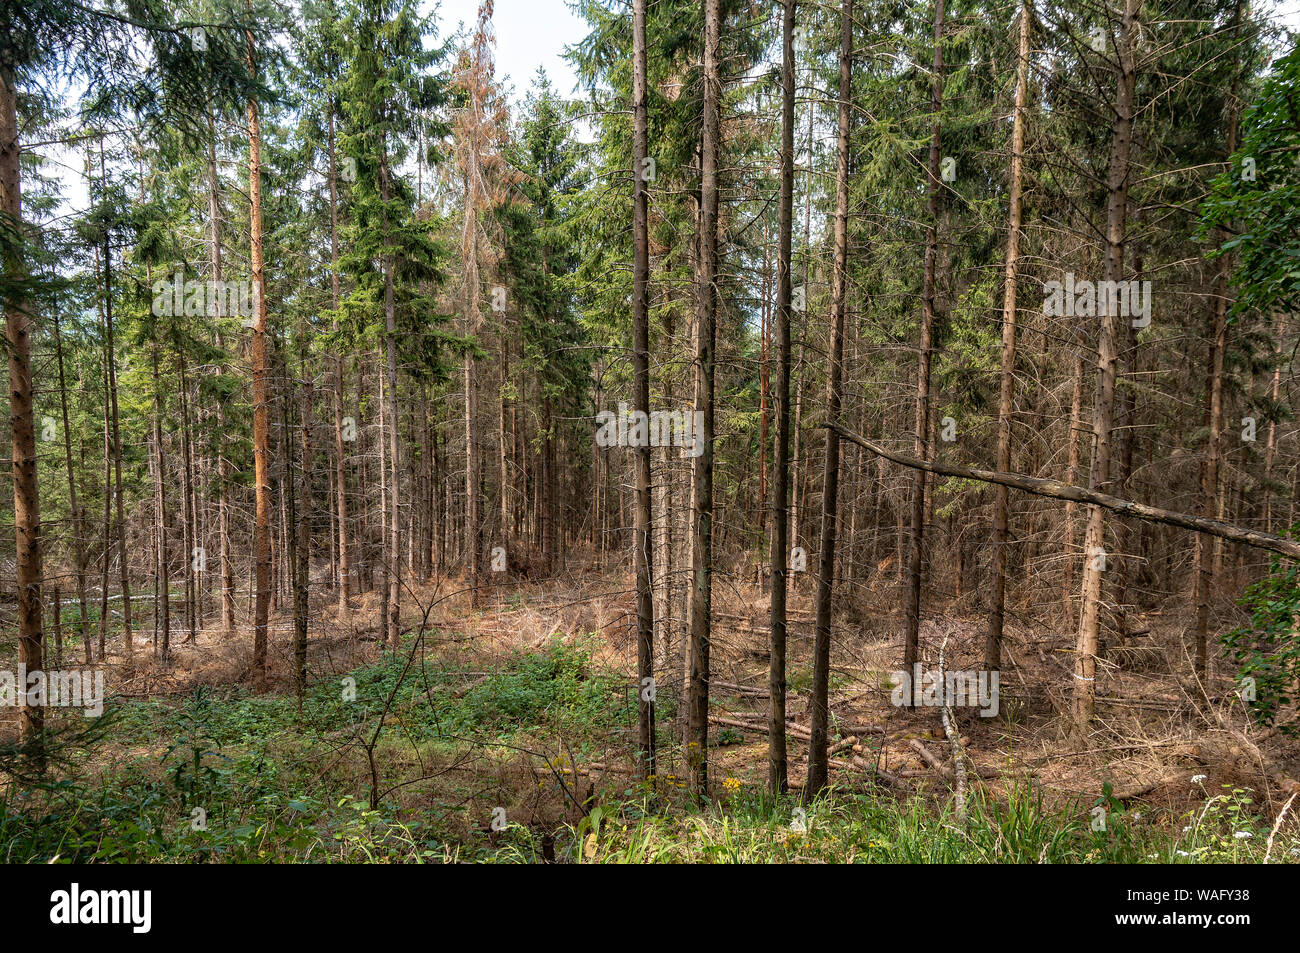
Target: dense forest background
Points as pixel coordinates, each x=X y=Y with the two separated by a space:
x=962 y=335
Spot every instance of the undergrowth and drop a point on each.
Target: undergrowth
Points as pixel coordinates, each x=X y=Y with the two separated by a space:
x=239 y=777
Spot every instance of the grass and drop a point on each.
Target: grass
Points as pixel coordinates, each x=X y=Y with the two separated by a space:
x=227 y=776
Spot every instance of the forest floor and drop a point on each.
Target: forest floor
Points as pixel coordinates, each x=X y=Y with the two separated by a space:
x=507 y=732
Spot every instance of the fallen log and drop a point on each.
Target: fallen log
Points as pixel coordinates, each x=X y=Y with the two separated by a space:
x=731 y=688
x=929 y=757
x=862 y=764
x=1057 y=490
x=790 y=727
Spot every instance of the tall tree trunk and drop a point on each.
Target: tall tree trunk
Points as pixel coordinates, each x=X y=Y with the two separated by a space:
x=473 y=504
x=124 y=571
x=261 y=435
x=394 y=444
x=226 y=568
x=702 y=484
x=79 y=513
x=108 y=488
x=192 y=545
x=503 y=444
x=993 y=643
x=642 y=557
x=302 y=526
x=162 y=607
x=820 y=705
x=777 y=771
x=1126 y=439
x=1211 y=501
x=22 y=420
x=340 y=449
x=1094 y=557
x=1072 y=477
x=916 y=537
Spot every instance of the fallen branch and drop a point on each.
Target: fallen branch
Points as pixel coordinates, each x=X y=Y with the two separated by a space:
x=1057 y=490
x=930 y=758
x=864 y=765
x=790 y=727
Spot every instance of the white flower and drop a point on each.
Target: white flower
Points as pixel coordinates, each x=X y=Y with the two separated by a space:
x=1183 y=853
x=1197 y=778
x=1187 y=828
x=1242 y=835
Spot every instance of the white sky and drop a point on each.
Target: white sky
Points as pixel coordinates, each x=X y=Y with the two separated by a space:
x=530 y=33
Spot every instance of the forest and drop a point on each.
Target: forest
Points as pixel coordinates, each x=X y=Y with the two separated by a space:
x=849 y=431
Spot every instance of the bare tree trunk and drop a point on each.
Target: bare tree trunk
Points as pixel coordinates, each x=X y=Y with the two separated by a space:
x=817 y=757
x=223 y=464
x=777 y=769
x=187 y=499
x=1094 y=556
x=261 y=436
x=764 y=384
x=27 y=507
x=642 y=556
x=473 y=505
x=394 y=444
x=340 y=450
x=124 y=572
x=162 y=607
x=1211 y=501
x=108 y=493
x=915 y=568
x=503 y=444
x=1072 y=477
x=1001 y=537
x=77 y=511
x=701 y=593
x=302 y=526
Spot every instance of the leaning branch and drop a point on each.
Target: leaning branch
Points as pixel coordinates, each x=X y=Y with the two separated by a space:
x=1057 y=490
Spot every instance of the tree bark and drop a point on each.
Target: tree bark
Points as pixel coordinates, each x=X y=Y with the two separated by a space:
x=124 y=571
x=78 y=513
x=302 y=526
x=1210 y=498
x=394 y=559
x=1001 y=537
x=1094 y=556
x=818 y=769
x=921 y=423
x=642 y=557
x=27 y=507
x=261 y=435
x=777 y=768
x=702 y=485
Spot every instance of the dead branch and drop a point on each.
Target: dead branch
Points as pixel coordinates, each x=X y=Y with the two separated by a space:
x=1056 y=490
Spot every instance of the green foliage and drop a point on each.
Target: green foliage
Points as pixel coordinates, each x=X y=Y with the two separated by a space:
x=870 y=828
x=1258 y=199
x=1267 y=649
